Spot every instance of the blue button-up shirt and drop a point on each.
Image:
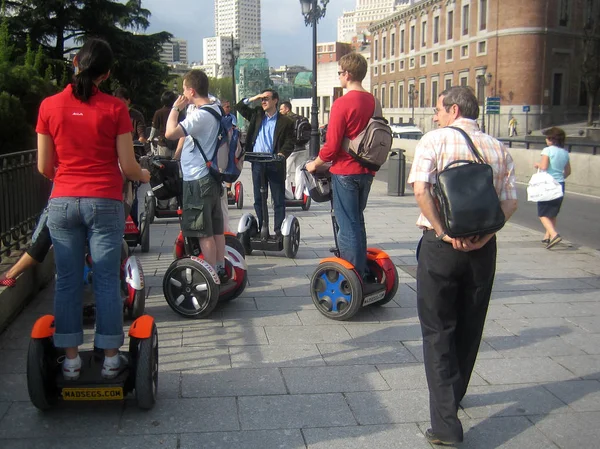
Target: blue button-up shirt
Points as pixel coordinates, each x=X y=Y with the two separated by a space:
x=264 y=139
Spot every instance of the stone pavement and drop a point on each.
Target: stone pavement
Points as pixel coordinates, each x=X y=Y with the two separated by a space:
x=268 y=371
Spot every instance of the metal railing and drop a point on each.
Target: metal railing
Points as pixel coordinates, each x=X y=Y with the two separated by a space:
x=578 y=147
x=23 y=195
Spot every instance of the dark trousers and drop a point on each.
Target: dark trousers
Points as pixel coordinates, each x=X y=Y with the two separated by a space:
x=275 y=173
x=453 y=294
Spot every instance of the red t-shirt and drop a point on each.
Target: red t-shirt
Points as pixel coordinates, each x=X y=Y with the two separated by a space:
x=349 y=115
x=85 y=142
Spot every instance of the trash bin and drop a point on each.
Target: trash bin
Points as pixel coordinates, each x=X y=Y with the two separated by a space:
x=396 y=173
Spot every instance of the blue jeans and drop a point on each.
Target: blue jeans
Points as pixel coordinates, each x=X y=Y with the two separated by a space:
x=350 y=194
x=100 y=222
x=276 y=179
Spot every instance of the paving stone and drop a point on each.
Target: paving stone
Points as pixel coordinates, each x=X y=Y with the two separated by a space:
x=4 y=406
x=355 y=353
x=570 y=431
x=312 y=317
x=23 y=420
x=411 y=376
x=520 y=371
x=261 y=318
x=580 y=395
x=511 y=347
x=181 y=416
x=587 y=366
x=169 y=385
x=295 y=303
x=538 y=327
x=15 y=361
x=589 y=343
x=587 y=323
x=333 y=379
x=192 y=357
x=276 y=355
x=294 y=411
x=395 y=315
x=390 y=407
x=250 y=439
x=13 y=387
x=382 y=332
x=510 y=400
x=232 y=382
x=281 y=335
x=121 y=442
x=401 y=436
x=550 y=310
x=224 y=336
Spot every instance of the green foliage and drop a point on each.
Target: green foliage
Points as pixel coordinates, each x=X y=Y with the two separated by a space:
x=221 y=88
x=38 y=63
x=6 y=47
x=30 y=55
x=15 y=133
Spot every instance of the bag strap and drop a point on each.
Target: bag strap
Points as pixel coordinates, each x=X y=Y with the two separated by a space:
x=377 y=112
x=216 y=115
x=470 y=144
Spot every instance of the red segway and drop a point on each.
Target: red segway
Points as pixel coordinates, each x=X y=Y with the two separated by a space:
x=236 y=196
x=336 y=289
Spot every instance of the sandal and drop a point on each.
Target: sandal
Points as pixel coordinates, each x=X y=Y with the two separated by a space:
x=554 y=241
x=7 y=282
x=545 y=241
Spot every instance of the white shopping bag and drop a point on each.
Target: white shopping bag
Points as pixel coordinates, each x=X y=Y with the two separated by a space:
x=543 y=187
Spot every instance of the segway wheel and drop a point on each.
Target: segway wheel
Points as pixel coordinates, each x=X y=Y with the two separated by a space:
x=41 y=373
x=190 y=288
x=146 y=370
x=151 y=209
x=233 y=242
x=144 y=233
x=239 y=195
x=139 y=304
x=291 y=242
x=306 y=201
x=385 y=272
x=336 y=291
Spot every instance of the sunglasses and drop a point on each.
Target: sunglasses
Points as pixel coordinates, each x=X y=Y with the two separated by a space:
x=343 y=71
x=265 y=99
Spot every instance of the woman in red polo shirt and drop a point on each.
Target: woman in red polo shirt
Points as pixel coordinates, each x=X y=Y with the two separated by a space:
x=83 y=136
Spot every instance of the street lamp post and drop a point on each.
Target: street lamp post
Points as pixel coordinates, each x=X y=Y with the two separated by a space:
x=235 y=52
x=312 y=12
x=412 y=94
x=483 y=80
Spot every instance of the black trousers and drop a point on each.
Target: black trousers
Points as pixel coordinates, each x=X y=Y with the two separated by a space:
x=453 y=294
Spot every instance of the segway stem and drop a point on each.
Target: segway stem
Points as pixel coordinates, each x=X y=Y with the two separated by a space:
x=264 y=230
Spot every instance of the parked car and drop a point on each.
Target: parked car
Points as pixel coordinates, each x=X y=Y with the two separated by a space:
x=406 y=131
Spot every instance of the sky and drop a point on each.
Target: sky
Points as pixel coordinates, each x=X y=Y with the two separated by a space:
x=285 y=38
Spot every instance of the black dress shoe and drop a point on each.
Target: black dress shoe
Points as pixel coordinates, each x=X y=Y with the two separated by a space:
x=434 y=439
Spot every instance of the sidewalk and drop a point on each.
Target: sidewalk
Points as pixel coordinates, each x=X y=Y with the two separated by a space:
x=269 y=371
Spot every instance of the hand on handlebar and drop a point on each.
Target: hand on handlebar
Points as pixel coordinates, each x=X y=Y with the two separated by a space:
x=145 y=176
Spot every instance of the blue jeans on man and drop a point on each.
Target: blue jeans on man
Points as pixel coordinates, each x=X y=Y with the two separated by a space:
x=350 y=195
x=99 y=222
x=275 y=173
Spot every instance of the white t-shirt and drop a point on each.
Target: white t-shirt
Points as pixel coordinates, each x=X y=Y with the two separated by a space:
x=204 y=128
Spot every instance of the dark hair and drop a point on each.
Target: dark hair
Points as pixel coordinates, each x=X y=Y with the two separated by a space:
x=556 y=136
x=464 y=98
x=273 y=93
x=287 y=104
x=197 y=80
x=94 y=59
x=122 y=92
x=167 y=98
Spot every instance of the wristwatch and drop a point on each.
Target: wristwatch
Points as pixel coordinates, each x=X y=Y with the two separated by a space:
x=176 y=108
x=441 y=236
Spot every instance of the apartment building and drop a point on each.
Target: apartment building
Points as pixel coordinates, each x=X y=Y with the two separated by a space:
x=528 y=53
x=174 y=51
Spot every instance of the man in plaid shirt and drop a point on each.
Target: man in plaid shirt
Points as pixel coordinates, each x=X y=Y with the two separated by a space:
x=454 y=275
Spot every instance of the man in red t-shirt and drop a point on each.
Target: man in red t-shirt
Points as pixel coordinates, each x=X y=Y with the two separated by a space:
x=351 y=181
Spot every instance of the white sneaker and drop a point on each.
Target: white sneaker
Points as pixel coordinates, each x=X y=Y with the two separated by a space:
x=71 y=368
x=113 y=366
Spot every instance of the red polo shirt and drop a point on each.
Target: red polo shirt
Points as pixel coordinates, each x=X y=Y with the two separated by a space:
x=84 y=136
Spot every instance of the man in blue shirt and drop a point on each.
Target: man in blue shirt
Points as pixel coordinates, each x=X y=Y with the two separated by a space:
x=202 y=214
x=268 y=132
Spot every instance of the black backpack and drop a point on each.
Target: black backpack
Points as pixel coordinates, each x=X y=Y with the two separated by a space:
x=302 y=130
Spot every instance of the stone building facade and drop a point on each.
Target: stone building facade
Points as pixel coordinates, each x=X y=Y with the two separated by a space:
x=528 y=53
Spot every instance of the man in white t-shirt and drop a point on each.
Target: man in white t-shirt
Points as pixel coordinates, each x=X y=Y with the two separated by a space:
x=202 y=215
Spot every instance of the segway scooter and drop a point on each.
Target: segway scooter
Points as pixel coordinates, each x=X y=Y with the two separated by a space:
x=237 y=195
x=254 y=239
x=140 y=234
x=304 y=203
x=162 y=187
x=47 y=386
x=336 y=289
x=191 y=285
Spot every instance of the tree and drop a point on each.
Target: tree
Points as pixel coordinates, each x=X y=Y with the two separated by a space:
x=590 y=67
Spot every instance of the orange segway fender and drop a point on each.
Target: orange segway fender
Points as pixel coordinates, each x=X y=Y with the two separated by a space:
x=142 y=327
x=382 y=259
x=339 y=260
x=43 y=327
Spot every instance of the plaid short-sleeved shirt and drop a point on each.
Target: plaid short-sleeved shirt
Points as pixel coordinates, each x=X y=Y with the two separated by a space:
x=438 y=148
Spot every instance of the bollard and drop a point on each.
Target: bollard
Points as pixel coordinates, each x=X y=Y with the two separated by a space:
x=396 y=173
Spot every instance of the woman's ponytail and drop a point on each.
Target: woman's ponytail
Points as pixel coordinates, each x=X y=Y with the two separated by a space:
x=83 y=86
x=94 y=59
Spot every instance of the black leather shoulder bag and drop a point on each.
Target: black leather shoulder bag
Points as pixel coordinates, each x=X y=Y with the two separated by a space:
x=468 y=202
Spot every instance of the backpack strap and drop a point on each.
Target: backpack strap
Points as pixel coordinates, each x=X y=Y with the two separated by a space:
x=377 y=112
x=216 y=115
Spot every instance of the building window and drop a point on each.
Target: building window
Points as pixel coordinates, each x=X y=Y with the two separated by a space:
x=482 y=15
x=375 y=71
x=401 y=96
x=402 y=65
x=392 y=67
x=464 y=80
x=465 y=20
x=391 y=96
x=423 y=33
x=383 y=68
x=450 y=25
x=436 y=29
x=435 y=58
x=422 y=94
x=563 y=19
x=481 y=48
x=448 y=82
x=557 y=87
x=411 y=63
x=376 y=49
x=464 y=51
x=382 y=99
x=402 y=41
x=449 y=55
x=434 y=92
x=375 y=92
x=412 y=37
x=392 y=44
x=423 y=60
x=383 y=47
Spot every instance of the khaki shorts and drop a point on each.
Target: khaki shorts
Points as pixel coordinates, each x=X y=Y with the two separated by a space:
x=202 y=214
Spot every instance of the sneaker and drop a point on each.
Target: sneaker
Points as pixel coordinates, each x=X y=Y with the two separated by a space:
x=71 y=368
x=114 y=366
x=223 y=276
x=434 y=439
